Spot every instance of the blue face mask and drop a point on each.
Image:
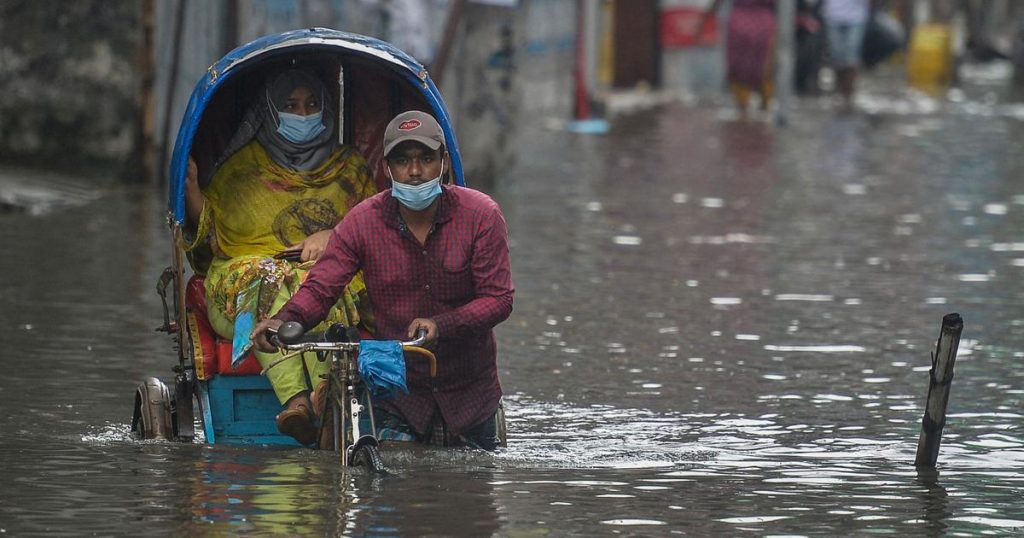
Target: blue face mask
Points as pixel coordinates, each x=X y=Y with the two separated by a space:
x=417 y=197
x=300 y=129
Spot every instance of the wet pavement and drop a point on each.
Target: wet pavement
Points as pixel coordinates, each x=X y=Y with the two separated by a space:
x=721 y=327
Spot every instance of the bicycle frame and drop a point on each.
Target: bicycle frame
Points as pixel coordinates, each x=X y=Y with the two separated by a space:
x=342 y=393
x=344 y=389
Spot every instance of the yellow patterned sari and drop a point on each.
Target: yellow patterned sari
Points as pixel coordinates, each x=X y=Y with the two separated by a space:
x=255 y=209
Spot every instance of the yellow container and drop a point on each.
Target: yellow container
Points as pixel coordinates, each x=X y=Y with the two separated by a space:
x=930 y=56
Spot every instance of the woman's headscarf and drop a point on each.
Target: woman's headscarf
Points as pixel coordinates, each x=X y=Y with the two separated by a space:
x=261 y=122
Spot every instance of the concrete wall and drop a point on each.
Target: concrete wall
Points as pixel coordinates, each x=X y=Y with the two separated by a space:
x=472 y=85
x=546 y=57
x=70 y=71
x=70 y=85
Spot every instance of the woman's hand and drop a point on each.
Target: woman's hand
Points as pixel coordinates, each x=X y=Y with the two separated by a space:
x=426 y=324
x=259 y=334
x=315 y=245
x=311 y=248
x=194 y=199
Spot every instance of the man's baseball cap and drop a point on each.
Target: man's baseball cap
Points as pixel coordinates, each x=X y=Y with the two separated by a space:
x=413 y=125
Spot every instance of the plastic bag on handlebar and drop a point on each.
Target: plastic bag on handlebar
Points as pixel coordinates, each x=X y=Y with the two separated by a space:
x=382 y=367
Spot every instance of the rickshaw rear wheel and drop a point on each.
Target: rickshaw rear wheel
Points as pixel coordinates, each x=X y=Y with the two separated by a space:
x=153 y=417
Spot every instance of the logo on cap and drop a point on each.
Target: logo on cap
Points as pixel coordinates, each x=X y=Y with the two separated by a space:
x=409 y=125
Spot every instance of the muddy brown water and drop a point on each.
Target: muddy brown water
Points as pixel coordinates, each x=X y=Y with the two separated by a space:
x=720 y=327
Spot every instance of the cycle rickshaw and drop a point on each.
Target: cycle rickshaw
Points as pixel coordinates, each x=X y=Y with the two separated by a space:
x=371 y=82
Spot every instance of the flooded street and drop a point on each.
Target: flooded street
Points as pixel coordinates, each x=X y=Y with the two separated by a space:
x=721 y=327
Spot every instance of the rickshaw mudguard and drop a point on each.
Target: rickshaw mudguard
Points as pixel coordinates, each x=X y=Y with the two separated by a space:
x=152 y=417
x=361 y=442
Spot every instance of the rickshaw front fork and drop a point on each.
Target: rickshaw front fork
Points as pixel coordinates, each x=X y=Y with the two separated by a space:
x=355 y=408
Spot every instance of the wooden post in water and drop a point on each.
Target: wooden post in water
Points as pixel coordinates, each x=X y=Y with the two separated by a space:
x=938 y=390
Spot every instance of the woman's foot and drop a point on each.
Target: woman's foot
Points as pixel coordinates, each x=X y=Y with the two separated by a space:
x=297 y=420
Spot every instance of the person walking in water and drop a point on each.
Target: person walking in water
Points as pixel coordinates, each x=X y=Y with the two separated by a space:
x=845 y=22
x=749 y=50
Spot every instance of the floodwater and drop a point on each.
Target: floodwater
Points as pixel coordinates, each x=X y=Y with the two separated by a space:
x=720 y=328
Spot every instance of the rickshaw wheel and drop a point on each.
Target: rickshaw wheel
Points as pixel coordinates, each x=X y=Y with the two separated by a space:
x=152 y=417
x=368 y=456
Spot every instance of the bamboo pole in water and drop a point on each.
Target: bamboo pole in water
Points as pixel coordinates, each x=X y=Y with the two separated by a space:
x=941 y=376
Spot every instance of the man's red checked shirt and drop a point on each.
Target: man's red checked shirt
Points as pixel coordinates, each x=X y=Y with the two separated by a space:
x=461 y=278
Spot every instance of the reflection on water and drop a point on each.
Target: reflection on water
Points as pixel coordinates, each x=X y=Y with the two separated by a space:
x=720 y=328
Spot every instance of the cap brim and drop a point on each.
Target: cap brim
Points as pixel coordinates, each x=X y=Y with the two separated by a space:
x=425 y=140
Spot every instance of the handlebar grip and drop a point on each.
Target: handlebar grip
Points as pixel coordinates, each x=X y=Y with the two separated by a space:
x=290 y=332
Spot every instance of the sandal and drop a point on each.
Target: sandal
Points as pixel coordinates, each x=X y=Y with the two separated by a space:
x=297 y=423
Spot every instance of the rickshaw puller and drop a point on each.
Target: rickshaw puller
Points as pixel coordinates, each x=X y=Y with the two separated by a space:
x=434 y=257
x=266 y=213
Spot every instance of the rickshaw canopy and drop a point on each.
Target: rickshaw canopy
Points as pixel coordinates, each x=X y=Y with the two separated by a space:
x=390 y=81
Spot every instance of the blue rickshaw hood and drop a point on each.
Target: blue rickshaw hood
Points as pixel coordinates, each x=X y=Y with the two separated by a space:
x=307 y=39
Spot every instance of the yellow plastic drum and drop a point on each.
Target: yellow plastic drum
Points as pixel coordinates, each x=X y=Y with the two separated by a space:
x=930 y=56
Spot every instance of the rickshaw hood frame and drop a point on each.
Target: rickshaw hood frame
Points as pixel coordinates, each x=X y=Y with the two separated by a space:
x=255 y=50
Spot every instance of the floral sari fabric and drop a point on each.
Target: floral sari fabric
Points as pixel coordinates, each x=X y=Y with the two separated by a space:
x=256 y=209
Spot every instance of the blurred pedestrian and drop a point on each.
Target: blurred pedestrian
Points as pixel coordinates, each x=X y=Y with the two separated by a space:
x=810 y=46
x=749 y=50
x=845 y=22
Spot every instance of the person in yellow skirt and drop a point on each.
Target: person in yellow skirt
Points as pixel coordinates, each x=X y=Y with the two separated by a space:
x=265 y=216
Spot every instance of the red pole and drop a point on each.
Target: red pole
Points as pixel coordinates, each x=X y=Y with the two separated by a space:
x=582 y=99
x=451 y=27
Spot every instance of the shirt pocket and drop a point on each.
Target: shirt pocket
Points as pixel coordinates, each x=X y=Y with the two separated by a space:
x=392 y=272
x=456 y=275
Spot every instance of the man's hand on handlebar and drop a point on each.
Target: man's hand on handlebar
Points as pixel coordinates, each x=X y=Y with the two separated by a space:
x=426 y=324
x=259 y=334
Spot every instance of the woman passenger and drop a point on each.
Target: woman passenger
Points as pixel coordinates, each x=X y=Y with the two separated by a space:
x=749 y=50
x=266 y=214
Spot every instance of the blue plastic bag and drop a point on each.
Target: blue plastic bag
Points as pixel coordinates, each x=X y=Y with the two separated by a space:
x=240 y=344
x=382 y=367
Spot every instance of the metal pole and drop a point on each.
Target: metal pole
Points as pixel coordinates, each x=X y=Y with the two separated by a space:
x=451 y=28
x=785 y=14
x=938 y=390
x=147 y=68
x=181 y=9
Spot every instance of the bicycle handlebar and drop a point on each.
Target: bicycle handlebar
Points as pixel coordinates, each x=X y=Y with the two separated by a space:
x=292 y=337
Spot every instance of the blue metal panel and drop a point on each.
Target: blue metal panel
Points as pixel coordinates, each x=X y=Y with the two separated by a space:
x=204 y=408
x=314 y=38
x=241 y=410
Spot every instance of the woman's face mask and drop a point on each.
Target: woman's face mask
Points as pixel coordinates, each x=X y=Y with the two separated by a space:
x=300 y=129
x=301 y=119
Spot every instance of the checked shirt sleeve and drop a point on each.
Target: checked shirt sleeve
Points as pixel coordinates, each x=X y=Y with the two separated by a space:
x=326 y=279
x=492 y=277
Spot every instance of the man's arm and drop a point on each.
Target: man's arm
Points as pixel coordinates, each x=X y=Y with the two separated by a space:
x=326 y=279
x=492 y=277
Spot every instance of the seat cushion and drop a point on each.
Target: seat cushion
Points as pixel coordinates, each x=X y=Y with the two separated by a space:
x=212 y=352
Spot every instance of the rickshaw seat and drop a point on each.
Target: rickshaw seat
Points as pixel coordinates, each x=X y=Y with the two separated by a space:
x=212 y=352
